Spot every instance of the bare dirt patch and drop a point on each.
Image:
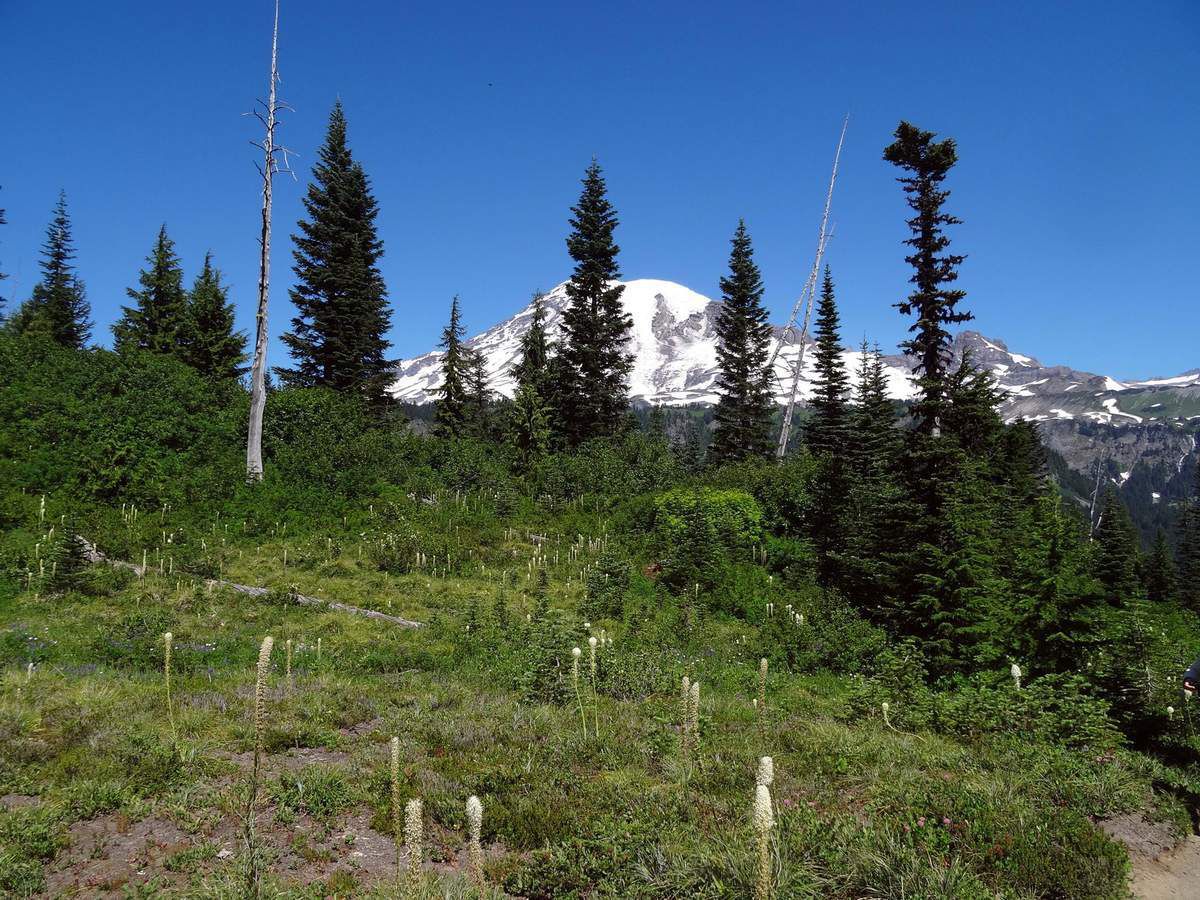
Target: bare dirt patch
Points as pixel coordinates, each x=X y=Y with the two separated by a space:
x=17 y=801
x=107 y=853
x=1162 y=866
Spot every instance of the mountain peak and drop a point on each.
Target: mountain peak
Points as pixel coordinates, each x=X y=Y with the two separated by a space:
x=674 y=344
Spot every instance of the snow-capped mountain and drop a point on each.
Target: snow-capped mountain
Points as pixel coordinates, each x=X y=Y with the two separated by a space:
x=674 y=346
x=674 y=343
x=1142 y=433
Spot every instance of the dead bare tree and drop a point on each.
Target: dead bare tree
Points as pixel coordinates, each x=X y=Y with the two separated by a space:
x=805 y=301
x=271 y=165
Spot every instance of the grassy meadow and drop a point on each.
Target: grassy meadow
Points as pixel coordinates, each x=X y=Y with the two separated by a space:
x=590 y=787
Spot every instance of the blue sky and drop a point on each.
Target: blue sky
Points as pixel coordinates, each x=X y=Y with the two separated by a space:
x=1076 y=121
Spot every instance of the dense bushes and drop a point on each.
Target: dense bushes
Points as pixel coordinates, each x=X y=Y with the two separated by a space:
x=1061 y=710
x=140 y=428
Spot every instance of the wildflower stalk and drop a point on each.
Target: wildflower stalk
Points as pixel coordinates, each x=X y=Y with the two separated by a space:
x=168 y=639
x=288 y=668
x=761 y=706
x=694 y=714
x=414 y=839
x=766 y=772
x=474 y=837
x=595 y=692
x=764 y=821
x=575 y=654
x=397 y=816
x=685 y=720
x=253 y=863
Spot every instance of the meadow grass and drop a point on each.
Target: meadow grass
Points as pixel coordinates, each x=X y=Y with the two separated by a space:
x=654 y=804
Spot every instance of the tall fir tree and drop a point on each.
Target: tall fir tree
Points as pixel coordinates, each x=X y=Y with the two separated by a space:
x=212 y=346
x=479 y=395
x=529 y=417
x=58 y=304
x=1116 y=552
x=158 y=321
x=596 y=362
x=933 y=302
x=450 y=418
x=827 y=430
x=338 y=337
x=1056 y=598
x=742 y=418
x=529 y=431
x=533 y=366
x=875 y=440
x=1187 y=561
x=827 y=436
x=875 y=509
x=1159 y=571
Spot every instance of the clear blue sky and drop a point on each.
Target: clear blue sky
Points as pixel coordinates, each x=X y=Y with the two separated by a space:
x=1078 y=126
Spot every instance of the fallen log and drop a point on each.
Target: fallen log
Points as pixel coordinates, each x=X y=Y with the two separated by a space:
x=93 y=554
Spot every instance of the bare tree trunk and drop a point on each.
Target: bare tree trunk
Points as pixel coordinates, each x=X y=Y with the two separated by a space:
x=258 y=375
x=806 y=298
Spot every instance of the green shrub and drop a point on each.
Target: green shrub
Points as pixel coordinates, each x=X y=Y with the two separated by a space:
x=733 y=517
x=607 y=586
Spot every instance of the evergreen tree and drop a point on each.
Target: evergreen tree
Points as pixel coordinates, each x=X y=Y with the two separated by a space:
x=479 y=395
x=66 y=558
x=932 y=301
x=158 y=320
x=1188 y=559
x=1116 y=553
x=530 y=414
x=58 y=305
x=338 y=334
x=1159 y=571
x=450 y=419
x=742 y=418
x=1022 y=462
x=970 y=416
x=873 y=493
x=596 y=364
x=827 y=431
x=212 y=347
x=533 y=366
x=530 y=426
x=1056 y=596
x=827 y=435
x=874 y=440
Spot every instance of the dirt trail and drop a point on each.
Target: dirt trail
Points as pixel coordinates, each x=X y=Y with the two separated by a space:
x=1174 y=875
x=1162 y=867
